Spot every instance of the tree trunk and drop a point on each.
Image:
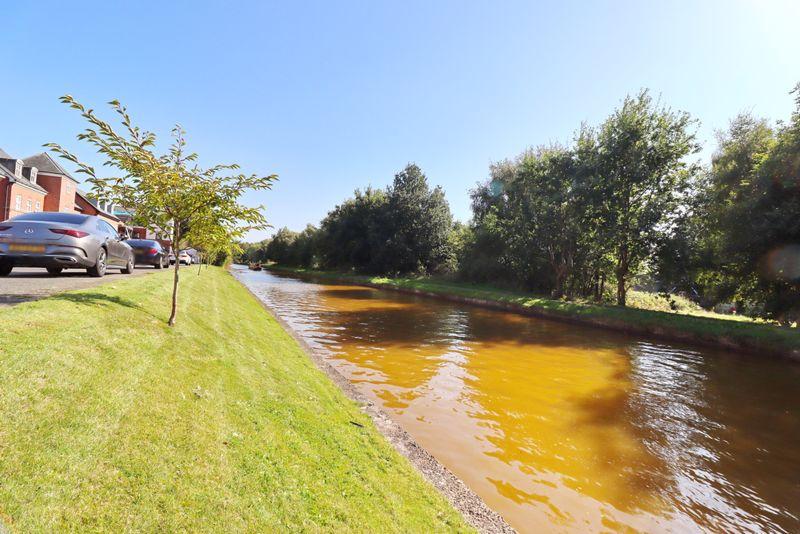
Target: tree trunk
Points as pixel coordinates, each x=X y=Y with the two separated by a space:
x=558 y=291
x=176 y=276
x=558 y=269
x=602 y=287
x=596 y=285
x=621 y=272
x=623 y=257
x=621 y=296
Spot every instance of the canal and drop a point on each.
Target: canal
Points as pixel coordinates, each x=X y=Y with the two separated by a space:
x=560 y=427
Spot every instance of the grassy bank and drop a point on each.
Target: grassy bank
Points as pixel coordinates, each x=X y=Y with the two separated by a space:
x=710 y=331
x=111 y=421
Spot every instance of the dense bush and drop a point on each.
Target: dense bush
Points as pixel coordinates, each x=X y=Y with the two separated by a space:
x=739 y=239
x=353 y=234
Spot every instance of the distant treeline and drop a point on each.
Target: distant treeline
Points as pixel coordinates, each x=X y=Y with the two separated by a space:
x=624 y=204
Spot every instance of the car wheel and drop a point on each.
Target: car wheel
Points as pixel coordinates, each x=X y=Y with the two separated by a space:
x=54 y=270
x=99 y=268
x=128 y=269
x=160 y=264
x=5 y=269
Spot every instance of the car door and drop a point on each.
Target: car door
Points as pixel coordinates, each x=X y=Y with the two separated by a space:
x=162 y=253
x=114 y=245
x=123 y=249
x=156 y=245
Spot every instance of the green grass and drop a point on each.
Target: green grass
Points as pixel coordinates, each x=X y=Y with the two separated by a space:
x=645 y=300
x=700 y=327
x=112 y=421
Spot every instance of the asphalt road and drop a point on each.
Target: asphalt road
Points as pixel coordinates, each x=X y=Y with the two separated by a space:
x=26 y=284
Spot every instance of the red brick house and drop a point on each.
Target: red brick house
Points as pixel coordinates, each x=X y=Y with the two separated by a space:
x=39 y=183
x=19 y=191
x=60 y=186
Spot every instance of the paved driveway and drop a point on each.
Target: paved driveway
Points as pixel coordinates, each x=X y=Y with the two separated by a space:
x=25 y=284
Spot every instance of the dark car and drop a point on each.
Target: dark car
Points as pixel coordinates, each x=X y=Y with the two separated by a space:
x=149 y=252
x=58 y=241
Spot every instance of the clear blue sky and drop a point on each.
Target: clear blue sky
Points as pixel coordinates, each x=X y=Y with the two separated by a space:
x=338 y=95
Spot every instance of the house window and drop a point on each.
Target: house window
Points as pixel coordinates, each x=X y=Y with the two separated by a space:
x=18 y=203
x=29 y=206
x=38 y=206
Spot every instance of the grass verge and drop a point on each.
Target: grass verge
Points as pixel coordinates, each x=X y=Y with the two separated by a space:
x=729 y=334
x=112 y=421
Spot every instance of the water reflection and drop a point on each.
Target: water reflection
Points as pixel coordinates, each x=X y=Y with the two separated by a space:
x=566 y=428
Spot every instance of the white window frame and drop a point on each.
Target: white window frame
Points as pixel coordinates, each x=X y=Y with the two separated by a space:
x=38 y=206
x=18 y=203
x=29 y=205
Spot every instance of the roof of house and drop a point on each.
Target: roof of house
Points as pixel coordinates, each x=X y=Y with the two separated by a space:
x=47 y=165
x=9 y=164
x=7 y=172
x=4 y=173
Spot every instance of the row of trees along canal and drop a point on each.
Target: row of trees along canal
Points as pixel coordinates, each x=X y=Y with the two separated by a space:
x=169 y=192
x=626 y=202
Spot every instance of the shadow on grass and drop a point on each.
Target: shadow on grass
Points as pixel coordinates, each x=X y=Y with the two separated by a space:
x=101 y=299
x=9 y=300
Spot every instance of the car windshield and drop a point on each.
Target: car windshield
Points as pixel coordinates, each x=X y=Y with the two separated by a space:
x=64 y=218
x=142 y=243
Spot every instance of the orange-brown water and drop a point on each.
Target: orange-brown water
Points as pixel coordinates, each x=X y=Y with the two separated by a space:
x=566 y=428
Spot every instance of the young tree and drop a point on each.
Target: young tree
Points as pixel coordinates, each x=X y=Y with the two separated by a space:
x=641 y=174
x=213 y=238
x=168 y=191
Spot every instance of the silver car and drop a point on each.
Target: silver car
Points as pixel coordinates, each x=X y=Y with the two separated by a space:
x=58 y=241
